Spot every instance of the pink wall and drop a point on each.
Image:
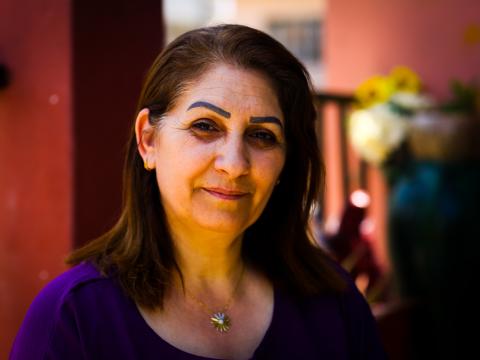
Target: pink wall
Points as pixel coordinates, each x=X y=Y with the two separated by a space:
x=35 y=154
x=367 y=37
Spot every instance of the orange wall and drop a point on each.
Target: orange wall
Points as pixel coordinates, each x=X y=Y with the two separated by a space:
x=76 y=68
x=439 y=39
x=35 y=154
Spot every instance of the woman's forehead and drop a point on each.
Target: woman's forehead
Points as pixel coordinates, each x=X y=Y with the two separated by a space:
x=233 y=87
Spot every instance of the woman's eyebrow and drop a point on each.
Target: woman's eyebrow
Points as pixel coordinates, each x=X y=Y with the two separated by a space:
x=226 y=114
x=212 y=107
x=266 y=119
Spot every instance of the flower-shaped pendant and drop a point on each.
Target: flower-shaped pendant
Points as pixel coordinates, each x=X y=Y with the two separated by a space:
x=220 y=321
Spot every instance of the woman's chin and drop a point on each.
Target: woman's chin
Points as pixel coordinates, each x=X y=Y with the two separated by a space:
x=228 y=224
x=222 y=227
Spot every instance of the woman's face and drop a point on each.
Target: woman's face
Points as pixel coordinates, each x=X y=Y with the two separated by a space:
x=219 y=152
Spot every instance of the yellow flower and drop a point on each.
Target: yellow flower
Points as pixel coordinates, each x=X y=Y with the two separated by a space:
x=380 y=121
x=374 y=90
x=405 y=80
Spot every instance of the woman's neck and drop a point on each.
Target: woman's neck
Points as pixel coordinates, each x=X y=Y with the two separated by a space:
x=210 y=263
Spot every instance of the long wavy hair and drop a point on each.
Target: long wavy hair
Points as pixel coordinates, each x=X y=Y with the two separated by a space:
x=139 y=252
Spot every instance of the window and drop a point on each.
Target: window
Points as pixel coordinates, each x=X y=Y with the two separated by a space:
x=302 y=38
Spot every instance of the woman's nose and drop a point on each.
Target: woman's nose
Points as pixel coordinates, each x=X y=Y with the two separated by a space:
x=232 y=157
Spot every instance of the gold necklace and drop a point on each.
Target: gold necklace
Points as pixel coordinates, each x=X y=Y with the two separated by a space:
x=219 y=319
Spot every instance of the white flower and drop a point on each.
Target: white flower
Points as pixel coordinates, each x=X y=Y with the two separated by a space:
x=375 y=132
x=412 y=101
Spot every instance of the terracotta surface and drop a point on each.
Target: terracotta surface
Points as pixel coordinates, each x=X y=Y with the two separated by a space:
x=35 y=154
x=76 y=69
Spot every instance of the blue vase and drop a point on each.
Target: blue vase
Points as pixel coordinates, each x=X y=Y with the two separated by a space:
x=434 y=243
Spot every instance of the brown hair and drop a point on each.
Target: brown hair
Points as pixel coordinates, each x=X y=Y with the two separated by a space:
x=139 y=251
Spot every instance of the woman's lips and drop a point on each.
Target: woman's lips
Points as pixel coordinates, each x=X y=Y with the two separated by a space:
x=226 y=194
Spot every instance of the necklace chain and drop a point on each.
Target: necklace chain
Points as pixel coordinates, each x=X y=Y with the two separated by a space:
x=220 y=320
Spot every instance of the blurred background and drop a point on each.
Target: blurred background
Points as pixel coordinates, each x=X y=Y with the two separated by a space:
x=396 y=85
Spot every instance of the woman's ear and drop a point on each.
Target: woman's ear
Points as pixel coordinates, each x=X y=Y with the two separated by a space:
x=145 y=134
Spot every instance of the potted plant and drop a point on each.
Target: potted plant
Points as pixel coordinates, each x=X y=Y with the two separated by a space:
x=429 y=152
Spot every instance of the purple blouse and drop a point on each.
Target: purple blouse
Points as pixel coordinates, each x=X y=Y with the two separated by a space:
x=83 y=315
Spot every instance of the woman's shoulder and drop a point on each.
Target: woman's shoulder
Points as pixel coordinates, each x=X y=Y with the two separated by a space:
x=46 y=314
x=64 y=285
x=359 y=323
x=350 y=304
x=344 y=302
x=75 y=276
x=345 y=318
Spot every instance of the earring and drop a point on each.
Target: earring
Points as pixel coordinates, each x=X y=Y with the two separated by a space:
x=145 y=165
x=278 y=182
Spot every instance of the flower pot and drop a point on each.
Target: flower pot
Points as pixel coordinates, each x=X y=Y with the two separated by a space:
x=434 y=243
x=444 y=137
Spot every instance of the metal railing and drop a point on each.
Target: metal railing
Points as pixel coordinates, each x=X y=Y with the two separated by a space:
x=343 y=103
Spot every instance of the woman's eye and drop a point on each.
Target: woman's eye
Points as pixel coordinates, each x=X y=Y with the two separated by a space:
x=263 y=138
x=204 y=126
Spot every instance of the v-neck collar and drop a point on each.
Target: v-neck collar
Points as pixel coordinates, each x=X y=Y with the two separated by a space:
x=186 y=355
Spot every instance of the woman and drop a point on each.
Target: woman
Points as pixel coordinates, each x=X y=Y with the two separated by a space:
x=210 y=257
